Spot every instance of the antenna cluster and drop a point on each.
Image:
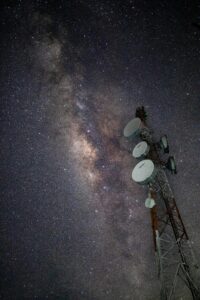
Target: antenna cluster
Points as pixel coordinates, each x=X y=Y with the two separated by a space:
x=176 y=263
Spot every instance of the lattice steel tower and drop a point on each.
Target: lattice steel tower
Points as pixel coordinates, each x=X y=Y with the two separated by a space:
x=177 y=268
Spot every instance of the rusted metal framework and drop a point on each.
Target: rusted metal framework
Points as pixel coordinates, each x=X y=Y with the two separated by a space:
x=177 y=267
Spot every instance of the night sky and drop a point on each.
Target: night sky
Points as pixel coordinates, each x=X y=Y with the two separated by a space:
x=74 y=224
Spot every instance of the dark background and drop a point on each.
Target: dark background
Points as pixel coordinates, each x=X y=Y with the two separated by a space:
x=74 y=224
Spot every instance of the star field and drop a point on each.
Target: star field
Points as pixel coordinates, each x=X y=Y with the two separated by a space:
x=74 y=223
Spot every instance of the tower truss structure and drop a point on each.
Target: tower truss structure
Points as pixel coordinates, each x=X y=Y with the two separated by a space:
x=178 y=270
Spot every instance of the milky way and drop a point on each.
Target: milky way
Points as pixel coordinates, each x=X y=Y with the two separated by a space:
x=73 y=78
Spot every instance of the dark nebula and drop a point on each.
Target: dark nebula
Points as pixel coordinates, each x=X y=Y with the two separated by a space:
x=74 y=224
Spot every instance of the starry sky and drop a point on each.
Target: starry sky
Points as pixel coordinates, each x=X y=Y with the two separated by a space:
x=74 y=224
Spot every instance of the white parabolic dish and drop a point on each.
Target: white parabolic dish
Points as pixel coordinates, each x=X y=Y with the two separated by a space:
x=143 y=171
x=140 y=149
x=150 y=203
x=132 y=127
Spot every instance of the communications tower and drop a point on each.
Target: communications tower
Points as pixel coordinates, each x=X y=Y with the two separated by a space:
x=177 y=268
